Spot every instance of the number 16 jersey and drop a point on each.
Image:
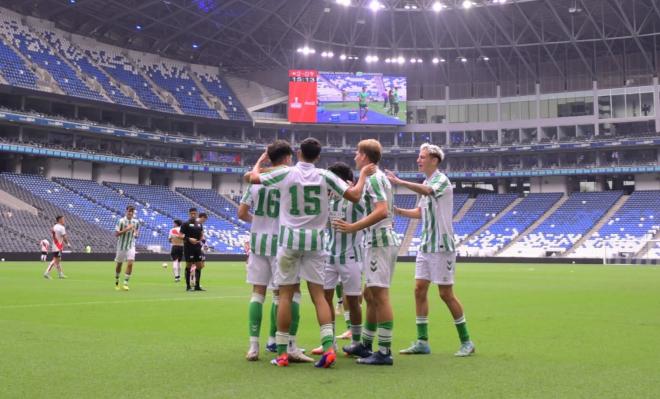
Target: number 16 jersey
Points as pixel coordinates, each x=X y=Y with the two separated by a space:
x=303 y=203
x=265 y=205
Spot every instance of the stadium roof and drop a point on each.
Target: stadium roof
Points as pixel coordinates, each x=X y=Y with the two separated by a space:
x=252 y=35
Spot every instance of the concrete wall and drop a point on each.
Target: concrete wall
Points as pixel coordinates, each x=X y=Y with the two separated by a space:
x=650 y=181
x=56 y=167
x=115 y=173
x=229 y=182
x=549 y=184
x=181 y=179
x=82 y=170
x=202 y=180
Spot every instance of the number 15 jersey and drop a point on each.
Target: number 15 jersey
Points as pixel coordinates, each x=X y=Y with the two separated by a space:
x=303 y=203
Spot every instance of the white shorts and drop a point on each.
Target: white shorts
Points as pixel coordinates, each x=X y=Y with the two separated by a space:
x=438 y=268
x=379 y=265
x=349 y=274
x=261 y=269
x=294 y=265
x=125 y=256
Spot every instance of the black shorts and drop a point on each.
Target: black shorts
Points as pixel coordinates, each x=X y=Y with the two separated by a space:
x=362 y=106
x=177 y=252
x=57 y=254
x=193 y=254
x=44 y=252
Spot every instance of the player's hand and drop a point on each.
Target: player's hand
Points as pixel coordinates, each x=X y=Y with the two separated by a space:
x=262 y=158
x=392 y=177
x=193 y=241
x=368 y=170
x=396 y=210
x=343 y=226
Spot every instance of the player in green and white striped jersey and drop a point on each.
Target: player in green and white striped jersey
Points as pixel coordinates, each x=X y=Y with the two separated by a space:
x=344 y=265
x=382 y=248
x=262 y=260
x=126 y=232
x=436 y=258
x=303 y=217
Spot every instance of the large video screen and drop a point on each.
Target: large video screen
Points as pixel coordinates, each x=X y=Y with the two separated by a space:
x=347 y=98
x=361 y=98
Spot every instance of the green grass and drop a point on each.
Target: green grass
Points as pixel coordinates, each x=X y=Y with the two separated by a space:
x=540 y=330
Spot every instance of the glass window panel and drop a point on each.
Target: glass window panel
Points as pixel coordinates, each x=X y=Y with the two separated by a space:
x=604 y=107
x=633 y=107
x=618 y=106
x=647 y=107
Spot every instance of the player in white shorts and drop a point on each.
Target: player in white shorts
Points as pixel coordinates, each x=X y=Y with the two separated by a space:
x=381 y=250
x=44 y=245
x=262 y=259
x=436 y=258
x=126 y=232
x=303 y=218
x=60 y=239
x=344 y=263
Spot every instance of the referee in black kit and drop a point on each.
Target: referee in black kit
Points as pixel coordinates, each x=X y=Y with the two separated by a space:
x=193 y=234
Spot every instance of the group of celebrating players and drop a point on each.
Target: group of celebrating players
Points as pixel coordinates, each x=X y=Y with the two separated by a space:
x=322 y=227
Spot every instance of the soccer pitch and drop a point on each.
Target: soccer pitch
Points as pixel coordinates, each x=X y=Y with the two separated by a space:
x=540 y=331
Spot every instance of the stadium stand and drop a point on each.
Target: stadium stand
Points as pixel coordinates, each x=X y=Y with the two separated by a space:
x=627 y=230
x=219 y=88
x=77 y=57
x=154 y=227
x=184 y=89
x=76 y=68
x=561 y=230
x=214 y=202
x=122 y=70
x=51 y=200
x=511 y=224
x=223 y=236
x=12 y=67
x=485 y=208
x=35 y=50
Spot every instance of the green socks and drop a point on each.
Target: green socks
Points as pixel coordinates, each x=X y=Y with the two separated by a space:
x=461 y=327
x=255 y=311
x=385 y=336
x=368 y=334
x=422 y=328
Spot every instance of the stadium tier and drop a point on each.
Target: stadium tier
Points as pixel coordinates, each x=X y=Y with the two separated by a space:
x=223 y=236
x=215 y=203
x=98 y=72
x=627 y=230
x=184 y=89
x=89 y=223
x=154 y=227
x=485 y=208
x=510 y=225
x=76 y=56
x=561 y=230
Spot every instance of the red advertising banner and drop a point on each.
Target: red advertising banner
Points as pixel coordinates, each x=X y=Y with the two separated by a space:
x=302 y=95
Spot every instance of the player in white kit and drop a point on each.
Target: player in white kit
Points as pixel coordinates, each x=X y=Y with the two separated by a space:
x=436 y=259
x=303 y=218
x=60 y=239
x=44 y=245
x=381 y=250
x=262 y=260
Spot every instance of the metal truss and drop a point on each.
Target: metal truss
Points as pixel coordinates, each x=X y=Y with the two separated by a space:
x=250 y=35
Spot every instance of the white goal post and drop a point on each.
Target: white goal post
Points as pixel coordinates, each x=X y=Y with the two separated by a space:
x=631 y=252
